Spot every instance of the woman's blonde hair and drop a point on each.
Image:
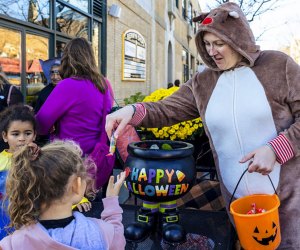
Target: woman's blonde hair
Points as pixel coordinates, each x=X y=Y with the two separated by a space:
x=39 y=177
x=78 y=61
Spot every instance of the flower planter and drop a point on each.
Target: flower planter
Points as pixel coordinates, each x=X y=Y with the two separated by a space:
x=160 y=175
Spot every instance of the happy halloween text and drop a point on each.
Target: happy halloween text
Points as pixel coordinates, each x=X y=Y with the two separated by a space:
x=147 y=183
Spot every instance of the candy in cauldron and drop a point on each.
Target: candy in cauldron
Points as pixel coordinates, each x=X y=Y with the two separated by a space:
x=160 y=170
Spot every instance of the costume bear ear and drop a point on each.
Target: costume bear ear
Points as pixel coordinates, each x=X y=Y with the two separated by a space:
x=201 y=17
x=222 y=16
x=233 y=14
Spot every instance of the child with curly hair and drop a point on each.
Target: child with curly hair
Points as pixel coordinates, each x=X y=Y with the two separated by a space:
x=18 y=128
x=42 y=185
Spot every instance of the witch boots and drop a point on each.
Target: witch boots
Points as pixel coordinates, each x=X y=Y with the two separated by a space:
x=141 y=229
x=146 y=222
x=172 y=232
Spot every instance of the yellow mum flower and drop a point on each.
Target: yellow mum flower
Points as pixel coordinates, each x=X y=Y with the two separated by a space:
x=183 y=130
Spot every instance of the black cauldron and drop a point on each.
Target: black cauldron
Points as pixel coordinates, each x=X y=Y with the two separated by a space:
x=160 y=170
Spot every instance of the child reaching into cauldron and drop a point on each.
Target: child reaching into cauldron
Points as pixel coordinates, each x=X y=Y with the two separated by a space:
x=42 y=185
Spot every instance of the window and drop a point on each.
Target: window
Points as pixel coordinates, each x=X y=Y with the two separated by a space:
x=59 y=48
x=33 y=11
x=177 y=3
x=71 y=22
x=194 y=23
x=40 y=29
x=183 y=8
x=95 y=40
x=185 y=65
x=10 y=54
x=36 y=48
x=190 y=13
x=80 y=4
x=192 y=66
x=134 y=57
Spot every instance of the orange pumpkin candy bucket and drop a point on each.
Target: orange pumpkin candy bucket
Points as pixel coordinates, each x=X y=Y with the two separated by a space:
x=260 y=230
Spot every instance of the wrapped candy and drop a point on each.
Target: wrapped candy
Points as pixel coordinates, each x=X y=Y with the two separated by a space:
x=255 y=210
x=112 y=145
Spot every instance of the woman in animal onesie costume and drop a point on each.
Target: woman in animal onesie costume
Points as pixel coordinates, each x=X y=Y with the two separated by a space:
x=249 y=101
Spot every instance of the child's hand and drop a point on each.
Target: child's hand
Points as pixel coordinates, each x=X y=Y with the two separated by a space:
x=84 y=207
x=113 y=189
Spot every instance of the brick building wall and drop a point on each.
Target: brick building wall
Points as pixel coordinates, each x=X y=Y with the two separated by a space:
x=166 y=34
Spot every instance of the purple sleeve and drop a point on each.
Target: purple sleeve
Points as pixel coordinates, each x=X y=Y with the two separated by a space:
x=111 y=224
x=112 y=95
x=58 y=102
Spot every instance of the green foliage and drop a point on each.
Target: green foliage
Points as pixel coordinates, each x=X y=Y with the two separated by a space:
x=137 y=97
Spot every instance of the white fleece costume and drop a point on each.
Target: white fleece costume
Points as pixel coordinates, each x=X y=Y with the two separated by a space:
x=235 y=134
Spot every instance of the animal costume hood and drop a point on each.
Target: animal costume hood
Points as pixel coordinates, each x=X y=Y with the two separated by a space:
x=229 y=24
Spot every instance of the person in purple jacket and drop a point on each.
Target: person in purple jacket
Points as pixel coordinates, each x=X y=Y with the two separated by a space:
x=75 y=108
x=42 y=185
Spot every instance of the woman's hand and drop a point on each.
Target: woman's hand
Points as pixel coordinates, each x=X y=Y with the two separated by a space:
x=261 y=160
x=118 y=120
x=113 y=189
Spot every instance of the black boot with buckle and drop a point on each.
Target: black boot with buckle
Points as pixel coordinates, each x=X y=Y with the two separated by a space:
x=144 y=225
x=172 y=232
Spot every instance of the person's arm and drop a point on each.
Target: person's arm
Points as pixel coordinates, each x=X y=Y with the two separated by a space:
x=111 y=216
x=111 y=223
x=138 y=115
x=292 y=134
x=282 y=148
x=180 y=106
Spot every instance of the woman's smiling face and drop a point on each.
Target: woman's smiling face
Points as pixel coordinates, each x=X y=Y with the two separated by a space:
x=222 y=54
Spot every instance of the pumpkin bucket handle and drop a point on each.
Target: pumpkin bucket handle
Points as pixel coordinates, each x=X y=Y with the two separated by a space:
x=232 y=196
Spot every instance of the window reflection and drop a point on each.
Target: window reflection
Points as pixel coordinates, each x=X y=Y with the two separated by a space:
x=36 y=48
x=10 y=54
x=60 y=46
x=71 y=22
x=95 y=40
x=185 y=65
x=80 y=4
x=34 y=11
x=190 y=13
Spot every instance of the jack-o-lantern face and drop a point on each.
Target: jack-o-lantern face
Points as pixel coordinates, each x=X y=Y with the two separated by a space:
x=264 y=238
